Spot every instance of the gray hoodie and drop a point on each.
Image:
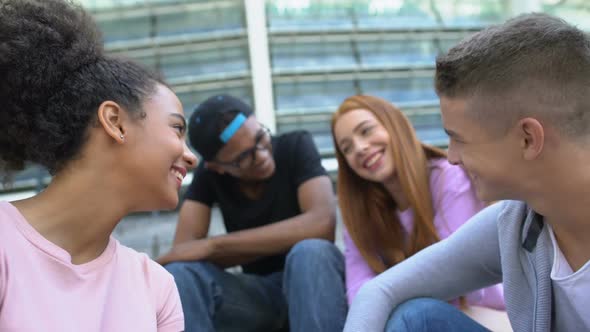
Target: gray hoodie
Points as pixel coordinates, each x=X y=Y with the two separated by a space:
x=505 y=242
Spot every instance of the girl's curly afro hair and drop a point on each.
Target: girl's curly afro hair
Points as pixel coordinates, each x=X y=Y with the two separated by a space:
x=53 y=77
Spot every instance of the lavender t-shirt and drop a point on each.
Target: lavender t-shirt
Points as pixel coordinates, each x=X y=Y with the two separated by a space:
x=454 y=202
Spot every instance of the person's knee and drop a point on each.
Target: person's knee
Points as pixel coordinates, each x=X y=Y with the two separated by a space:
x=188 y=271
x=310 y=250
x=428 y=314
x=414 y=314
x=176 y=267
x=418 y=306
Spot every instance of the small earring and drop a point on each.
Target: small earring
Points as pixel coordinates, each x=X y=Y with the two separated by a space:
x=122 y=137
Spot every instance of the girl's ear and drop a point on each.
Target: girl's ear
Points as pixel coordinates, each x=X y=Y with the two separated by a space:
x=112 y=119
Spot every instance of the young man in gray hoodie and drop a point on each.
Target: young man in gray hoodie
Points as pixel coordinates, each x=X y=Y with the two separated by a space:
x=515 y=102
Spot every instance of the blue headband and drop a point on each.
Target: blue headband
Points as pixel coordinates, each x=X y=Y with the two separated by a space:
x=231 y=129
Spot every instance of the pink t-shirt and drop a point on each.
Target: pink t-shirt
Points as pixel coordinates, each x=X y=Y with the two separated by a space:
x=454 y=202
x=41 y=290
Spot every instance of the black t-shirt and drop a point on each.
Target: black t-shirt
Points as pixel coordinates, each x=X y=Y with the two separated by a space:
x=296 y=159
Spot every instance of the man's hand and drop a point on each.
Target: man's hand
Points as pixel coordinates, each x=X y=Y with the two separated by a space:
x=194 y=250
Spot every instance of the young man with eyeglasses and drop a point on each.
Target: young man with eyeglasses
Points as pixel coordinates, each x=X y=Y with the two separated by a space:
x=278 y=207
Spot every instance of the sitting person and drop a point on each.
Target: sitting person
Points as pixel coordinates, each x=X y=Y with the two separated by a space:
x=515 y=103
x=278 y=208
x=397 y=196
x=112 y=134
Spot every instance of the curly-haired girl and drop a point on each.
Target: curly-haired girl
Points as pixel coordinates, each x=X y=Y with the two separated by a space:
x=112 y=135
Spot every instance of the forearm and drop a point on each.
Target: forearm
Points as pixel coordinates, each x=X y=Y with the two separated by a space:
x=202 y=249
x=229 y=261
x=467 y=260
x=248 y=245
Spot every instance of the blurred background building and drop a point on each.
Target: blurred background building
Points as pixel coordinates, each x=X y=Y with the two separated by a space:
x=294 y=61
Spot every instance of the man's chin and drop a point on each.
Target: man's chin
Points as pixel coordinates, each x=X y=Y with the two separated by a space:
x=268 y=173
x=262 y=175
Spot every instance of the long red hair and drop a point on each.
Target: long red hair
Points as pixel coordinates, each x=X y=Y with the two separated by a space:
x=368 y=210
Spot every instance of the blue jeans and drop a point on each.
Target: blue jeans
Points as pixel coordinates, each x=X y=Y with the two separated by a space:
x=309 y=295
x=427 y=314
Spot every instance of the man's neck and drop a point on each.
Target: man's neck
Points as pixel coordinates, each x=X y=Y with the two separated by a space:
x=252 y=189
x=567 y=210
x=561 y=193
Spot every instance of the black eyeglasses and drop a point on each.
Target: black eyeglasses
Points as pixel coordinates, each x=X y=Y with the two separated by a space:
x=247 y=158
